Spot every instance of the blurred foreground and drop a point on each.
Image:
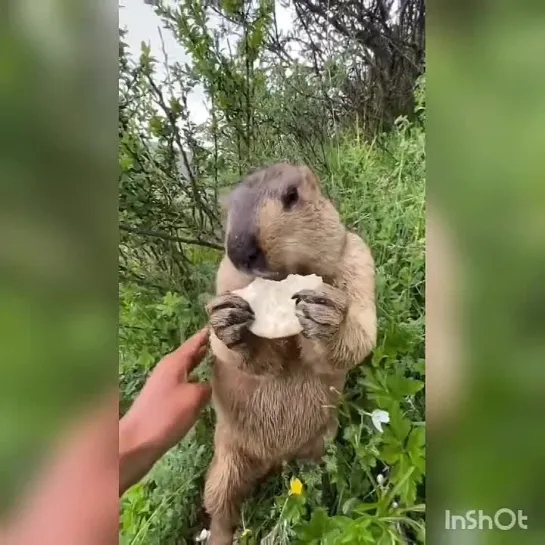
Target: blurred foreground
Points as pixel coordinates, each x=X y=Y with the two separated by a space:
x=486 y=268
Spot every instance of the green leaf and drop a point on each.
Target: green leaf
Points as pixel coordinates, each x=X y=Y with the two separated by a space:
x=365 y=507
x=416 y=448
x=386 y=538
x=349 y=505
x=390 y=454
x=315 y=527
x=417 y=439
x=156 y=125
x=399 y=424
x=402 y=477
x=126 y=163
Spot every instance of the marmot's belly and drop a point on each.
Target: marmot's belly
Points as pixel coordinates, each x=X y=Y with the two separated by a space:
x=281 y=416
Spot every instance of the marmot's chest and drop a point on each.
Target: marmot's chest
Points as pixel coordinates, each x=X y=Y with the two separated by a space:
x=277 y=414
x=290 y=355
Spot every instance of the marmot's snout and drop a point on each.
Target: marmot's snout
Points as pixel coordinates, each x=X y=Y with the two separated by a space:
x=245 y=253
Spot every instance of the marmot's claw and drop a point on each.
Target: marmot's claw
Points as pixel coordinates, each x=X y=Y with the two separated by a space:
x=227 y=300
x=230 y=318
x=320 y=311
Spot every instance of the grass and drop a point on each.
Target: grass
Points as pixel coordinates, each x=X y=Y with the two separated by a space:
x=370 y=487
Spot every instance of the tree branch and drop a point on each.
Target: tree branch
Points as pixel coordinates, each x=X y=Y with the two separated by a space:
x=166 y=236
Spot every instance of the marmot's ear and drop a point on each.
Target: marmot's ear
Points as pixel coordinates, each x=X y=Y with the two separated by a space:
x=310 y=177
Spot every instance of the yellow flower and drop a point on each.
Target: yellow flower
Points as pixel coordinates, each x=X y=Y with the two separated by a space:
x=296 y=487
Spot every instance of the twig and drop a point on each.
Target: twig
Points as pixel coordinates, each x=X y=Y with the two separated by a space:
x=171 y=238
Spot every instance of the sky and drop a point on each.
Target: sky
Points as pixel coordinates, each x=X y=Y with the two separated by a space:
x=143 y=26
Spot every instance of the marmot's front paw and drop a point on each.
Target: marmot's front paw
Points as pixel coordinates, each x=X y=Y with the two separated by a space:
x=321 y=311
x=230 y=318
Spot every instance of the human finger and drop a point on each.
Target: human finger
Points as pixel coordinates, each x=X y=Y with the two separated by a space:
x=197 y=396
x=192 y=351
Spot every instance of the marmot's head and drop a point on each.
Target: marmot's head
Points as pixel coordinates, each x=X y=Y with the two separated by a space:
x=279 y=223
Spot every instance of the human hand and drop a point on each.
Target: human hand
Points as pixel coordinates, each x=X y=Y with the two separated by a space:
x=164 y=411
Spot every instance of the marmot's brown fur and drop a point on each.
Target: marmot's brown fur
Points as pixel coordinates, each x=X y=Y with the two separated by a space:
x=275 y=399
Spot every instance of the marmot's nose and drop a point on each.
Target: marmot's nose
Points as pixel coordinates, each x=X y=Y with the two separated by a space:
x=244 y=252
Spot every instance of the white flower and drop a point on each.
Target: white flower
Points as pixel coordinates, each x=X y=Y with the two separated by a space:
x=380 y=479
x=380 y=417
x=395 y=505
x=203 y=536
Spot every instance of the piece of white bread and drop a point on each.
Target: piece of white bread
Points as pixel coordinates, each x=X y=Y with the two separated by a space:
x=273 y=305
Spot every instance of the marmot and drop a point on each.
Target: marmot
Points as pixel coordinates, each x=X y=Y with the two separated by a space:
x=275 y=399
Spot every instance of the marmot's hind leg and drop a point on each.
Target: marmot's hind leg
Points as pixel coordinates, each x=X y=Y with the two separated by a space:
x=230 y=479
x=312 y=451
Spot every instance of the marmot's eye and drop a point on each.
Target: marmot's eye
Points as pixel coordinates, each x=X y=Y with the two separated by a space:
x=290 y=197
